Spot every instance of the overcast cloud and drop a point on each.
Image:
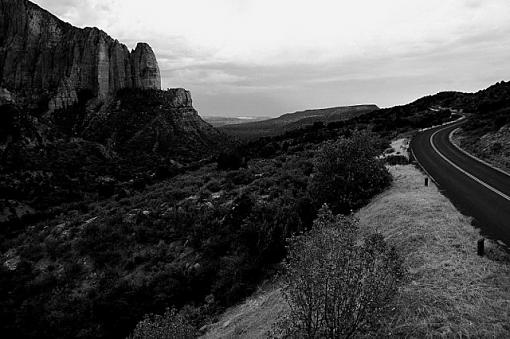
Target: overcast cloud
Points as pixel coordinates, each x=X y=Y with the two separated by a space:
x=269 y=57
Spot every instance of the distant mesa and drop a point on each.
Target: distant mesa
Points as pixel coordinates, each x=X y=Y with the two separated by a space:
x=218 y=121
x=270 y=127
x=44 y=57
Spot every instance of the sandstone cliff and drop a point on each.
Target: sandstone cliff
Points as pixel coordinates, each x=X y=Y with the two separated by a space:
x=82 y=117
x=44 y=57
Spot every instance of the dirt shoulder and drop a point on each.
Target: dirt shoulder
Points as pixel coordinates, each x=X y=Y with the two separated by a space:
x=449 y=291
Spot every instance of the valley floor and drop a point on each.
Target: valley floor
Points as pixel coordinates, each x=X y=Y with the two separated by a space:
x=449 y=290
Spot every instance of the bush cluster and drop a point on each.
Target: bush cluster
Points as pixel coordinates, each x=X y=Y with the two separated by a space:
x=348 y=174
x=230 y=161
x=335 y=287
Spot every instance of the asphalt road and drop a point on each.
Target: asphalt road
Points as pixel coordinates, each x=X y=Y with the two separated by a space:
x=475 y=189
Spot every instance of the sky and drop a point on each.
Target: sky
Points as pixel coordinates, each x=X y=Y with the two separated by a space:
x=270 y=57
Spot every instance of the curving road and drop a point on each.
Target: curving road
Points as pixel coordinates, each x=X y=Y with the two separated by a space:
x=475 y=188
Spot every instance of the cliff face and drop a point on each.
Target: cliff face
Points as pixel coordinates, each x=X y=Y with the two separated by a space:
x=41 y=55
x=82 y=117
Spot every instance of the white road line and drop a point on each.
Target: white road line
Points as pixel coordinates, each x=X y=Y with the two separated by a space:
x=501 y=194
x=450 y=137
x=426 y=129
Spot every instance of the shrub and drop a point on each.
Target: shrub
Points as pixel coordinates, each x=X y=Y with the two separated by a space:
x=306 y=211
x=268 y=150
x=347 y=173
x=335 y=287
x=496 y=147
x=230 y=161
x=307 y=167
x=396 y=160
x=169 y=325
x=213 y=186
x=240 y=177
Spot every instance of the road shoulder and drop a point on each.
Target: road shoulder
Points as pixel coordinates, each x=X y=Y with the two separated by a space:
x=451 y=290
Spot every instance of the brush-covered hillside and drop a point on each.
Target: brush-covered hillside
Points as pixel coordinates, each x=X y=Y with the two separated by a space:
x=487 y=131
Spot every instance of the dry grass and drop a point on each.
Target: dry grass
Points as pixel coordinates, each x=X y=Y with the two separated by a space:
x=253 y=318
x=449 y=292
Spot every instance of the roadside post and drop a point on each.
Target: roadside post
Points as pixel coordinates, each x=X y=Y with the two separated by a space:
x=481 y=249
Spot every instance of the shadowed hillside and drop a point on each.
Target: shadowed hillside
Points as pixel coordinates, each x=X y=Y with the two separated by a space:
x=487 y=132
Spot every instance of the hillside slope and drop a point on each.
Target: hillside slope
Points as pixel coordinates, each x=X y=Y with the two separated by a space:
x=487 y=132
x=450 y=291
x=88 y=154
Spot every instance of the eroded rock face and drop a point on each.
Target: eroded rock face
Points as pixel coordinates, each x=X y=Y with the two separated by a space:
x=145 y=67
x=41 y=55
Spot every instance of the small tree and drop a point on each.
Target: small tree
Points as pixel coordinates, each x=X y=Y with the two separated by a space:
x=347 y=173
x=230 y=161
x=170 y=325
x=336 y=288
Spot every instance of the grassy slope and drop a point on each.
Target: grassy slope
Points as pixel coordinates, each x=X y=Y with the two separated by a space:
x=251 y=319
x=450 y=290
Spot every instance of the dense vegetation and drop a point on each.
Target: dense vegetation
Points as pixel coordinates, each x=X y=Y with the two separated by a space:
x=489 y=109
x=487 y=130
x=51 y=165
x=201 y=240
x=346 y=177
x=491 y=112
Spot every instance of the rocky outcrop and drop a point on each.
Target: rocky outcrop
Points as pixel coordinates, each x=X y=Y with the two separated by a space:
x=153 y=122
x=44 y=57
x=145 y=67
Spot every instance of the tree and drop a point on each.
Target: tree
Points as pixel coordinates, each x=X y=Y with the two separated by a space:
x=230 y=161
x=335 y=287
x=347 y=173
